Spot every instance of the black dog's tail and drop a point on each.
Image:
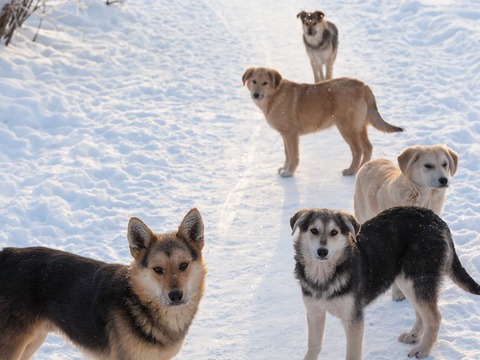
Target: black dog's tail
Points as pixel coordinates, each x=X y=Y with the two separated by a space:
x=461 y=277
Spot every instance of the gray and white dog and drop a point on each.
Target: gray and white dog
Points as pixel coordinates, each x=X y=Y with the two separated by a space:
x=321 y=42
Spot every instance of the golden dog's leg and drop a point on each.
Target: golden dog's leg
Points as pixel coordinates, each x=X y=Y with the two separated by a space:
x=316 y=328
x=291 y=143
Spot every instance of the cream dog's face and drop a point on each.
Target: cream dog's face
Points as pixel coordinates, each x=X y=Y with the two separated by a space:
x=261 y=82
x=430 y=166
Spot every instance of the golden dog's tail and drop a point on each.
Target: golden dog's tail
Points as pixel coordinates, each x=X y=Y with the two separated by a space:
x=374 y=116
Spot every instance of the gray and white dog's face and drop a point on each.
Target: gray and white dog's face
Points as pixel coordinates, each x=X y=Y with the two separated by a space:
x=312 y=22
x=324 y=234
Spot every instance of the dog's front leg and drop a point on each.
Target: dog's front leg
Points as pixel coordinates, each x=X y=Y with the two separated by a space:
x=291 y=144
x=316 y=328
x=354 y=337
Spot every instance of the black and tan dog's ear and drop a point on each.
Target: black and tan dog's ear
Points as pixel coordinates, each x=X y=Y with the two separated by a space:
x=139 y=236
x=318 y=15
x=275 y=77
x=298 y=219
x=302 y=15
x=352 y=224
x=407 y=157
x=247 y=74
x=191 y=229
x=452 y=157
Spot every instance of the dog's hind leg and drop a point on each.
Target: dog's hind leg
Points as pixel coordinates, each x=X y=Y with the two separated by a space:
x=34 y=344
x=412 y=336
x=431 y=318
x=367 y=147
x=354 y=335
x=316 y=328
x=355 y=147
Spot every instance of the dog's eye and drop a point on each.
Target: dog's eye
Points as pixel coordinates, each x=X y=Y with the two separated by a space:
x=159 y=270
x=314 y=231
x=314 y=23
x=445 y=164
x=333 y=232
x=254 y=81
x=429 y=166
x=183 y=266
x=265 y=83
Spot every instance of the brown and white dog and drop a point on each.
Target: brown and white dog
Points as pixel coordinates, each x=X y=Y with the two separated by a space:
x=321 y=42
x=296 y=109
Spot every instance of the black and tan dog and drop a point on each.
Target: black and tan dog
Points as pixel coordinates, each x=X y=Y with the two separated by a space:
x=321 y=42
x=110 y=311
x=342 y=268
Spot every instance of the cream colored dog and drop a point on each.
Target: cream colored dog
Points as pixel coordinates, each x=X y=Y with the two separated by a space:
x=297 y=109
x=421 y=180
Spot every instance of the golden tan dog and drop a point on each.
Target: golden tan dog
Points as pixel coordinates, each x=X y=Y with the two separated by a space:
x=296 y=109
x=421 y=180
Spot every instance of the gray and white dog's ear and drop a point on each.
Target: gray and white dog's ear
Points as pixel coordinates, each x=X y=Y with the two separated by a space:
x=298 y=219
x=352 y=224
x=139 y=236
x=191 y=229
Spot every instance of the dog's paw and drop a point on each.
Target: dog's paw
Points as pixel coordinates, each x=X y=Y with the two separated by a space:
x=284 y=173
x=408 y=338
x=418 y=352
x=348 y=172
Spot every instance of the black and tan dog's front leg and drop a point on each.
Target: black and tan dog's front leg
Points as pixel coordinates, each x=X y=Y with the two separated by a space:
x=316 y=328
x=292 y=157
x=354 y=337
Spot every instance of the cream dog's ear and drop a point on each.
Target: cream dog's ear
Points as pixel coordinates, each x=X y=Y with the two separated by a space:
x=452 y=157
x=407 y=157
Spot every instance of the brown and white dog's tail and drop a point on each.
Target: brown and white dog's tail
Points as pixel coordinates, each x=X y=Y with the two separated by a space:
x=462 y=278
x=374 y=116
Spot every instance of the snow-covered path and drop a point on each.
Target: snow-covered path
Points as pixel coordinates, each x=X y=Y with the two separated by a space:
x=139 y=110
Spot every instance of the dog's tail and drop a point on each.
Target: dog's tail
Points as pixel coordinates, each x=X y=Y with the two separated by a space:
x=374 y=116
x=462 y=278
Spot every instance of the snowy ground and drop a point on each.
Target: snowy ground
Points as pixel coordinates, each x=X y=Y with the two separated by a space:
x=139 y=110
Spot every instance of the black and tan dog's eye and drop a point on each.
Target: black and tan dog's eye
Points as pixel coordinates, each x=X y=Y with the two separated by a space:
x=314 y=231
x=159 y=270
x=333 y=232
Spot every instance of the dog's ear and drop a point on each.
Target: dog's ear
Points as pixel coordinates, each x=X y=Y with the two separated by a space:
x=139 y=236
x=452 y=157
x=407 y=157
x=318 y=15
x=275 y=77
x=298 y=219
x=353 y=225
x=247 y=74
x=191 y=229
x=302 y=15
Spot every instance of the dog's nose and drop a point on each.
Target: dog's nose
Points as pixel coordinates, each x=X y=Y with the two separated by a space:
x=175 y=296
x=311 y=32
x=256 y=95
x=443 y=181
x=322 y=252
